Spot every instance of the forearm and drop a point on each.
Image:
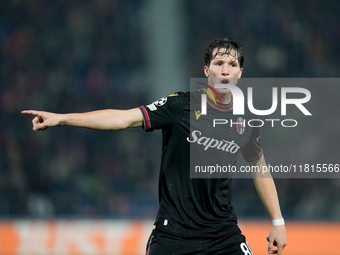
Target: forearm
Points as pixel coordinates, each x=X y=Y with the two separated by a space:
x=266 y=190
x=100 y=120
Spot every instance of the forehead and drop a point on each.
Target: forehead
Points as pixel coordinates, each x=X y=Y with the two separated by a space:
x=223 y=53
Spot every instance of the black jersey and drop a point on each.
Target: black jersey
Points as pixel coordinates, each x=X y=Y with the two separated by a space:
x=197 y=206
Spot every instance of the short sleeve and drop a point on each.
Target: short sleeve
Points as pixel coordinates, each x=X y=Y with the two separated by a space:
x=252 y=151
x=159 y=114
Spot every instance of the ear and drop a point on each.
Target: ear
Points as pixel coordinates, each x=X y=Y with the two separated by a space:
x=206 y=69
x=240 y=73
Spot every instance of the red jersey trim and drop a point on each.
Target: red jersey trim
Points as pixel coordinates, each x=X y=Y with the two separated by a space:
x=146 y=122
x=255 y=158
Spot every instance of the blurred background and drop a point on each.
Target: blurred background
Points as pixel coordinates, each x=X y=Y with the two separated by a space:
x=76 y=56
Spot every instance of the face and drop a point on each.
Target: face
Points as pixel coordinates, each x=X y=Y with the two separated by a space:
x=224 y=68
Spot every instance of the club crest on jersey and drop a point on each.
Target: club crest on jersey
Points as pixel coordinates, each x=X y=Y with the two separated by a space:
x=241 y=125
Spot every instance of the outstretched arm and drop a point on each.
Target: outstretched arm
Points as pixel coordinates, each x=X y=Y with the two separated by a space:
x=99 y=120
x=266 y=190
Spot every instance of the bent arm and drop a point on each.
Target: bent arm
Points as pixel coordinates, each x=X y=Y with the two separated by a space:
x=100 y=120
x=266 y=190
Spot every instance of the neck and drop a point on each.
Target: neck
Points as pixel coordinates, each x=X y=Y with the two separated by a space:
x=225 y=97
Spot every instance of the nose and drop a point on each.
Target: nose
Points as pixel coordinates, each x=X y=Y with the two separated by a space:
x=225 y=70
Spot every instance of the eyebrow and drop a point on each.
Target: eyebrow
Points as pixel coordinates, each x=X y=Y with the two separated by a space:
x=234 y=60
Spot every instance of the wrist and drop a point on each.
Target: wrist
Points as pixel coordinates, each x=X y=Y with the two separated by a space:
x=278 y=222
x=61 y=120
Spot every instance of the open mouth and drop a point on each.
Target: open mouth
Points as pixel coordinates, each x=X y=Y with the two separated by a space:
x=225 y=81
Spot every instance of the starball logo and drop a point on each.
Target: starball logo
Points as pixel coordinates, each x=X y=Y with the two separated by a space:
x=239 y=105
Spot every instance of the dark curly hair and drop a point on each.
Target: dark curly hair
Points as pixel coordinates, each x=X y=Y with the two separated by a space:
x=224 y=43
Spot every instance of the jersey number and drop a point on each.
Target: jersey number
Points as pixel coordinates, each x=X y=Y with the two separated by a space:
x=246 y=249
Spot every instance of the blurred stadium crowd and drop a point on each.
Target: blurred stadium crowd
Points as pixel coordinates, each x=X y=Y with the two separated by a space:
x=76 y=56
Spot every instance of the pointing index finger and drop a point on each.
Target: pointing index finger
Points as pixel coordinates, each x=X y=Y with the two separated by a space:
x=30 y=112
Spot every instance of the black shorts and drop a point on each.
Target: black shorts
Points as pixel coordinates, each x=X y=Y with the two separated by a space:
x=168 y=244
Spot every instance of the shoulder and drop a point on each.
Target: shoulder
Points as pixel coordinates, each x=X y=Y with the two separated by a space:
x=178 y=99
x=186 y=96
x=186 y=99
